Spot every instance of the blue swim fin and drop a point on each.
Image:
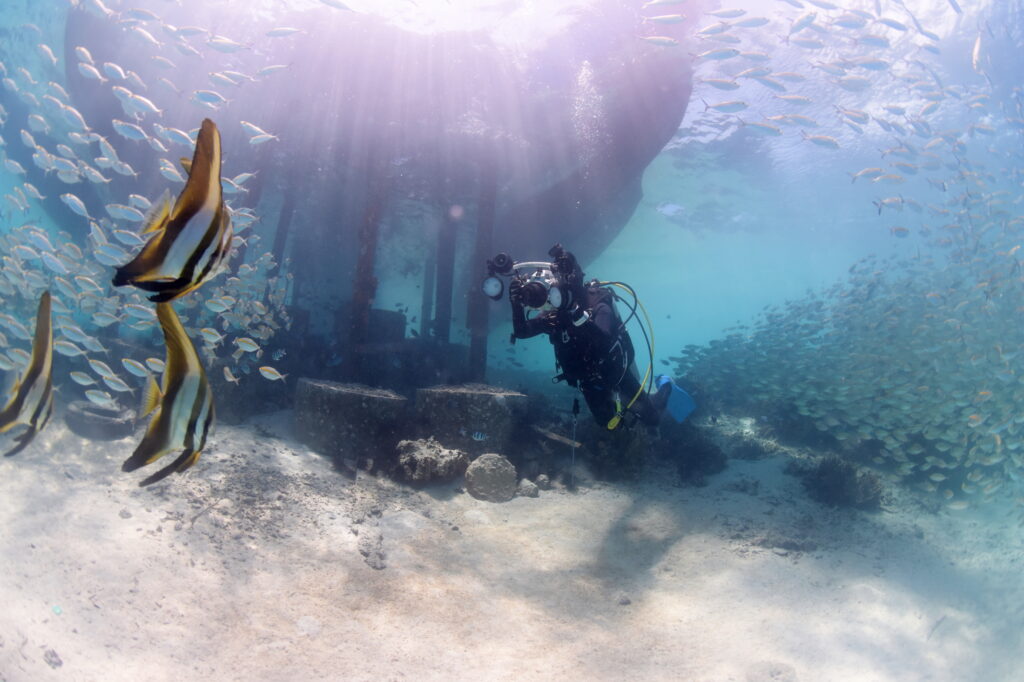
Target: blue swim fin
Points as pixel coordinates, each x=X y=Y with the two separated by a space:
x=680 y=404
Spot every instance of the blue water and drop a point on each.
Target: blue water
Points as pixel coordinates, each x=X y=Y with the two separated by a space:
x=769 y=236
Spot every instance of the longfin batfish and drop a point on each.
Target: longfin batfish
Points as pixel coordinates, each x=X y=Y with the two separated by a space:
x=190 y=241
x=182 y=406
x=32 y=399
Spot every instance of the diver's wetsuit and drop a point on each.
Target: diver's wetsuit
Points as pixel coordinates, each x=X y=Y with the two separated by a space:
x=595 y=356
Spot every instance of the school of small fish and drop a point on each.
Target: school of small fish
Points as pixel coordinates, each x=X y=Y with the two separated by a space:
x=846 y=51
x=913 y=359
x=917 y=362
x=227 y=288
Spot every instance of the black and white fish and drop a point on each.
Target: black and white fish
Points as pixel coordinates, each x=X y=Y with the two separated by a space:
x=32 y=400
x=182 y=406
x=192 y=240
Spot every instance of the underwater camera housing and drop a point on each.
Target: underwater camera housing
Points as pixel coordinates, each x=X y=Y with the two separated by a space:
x=544 y=284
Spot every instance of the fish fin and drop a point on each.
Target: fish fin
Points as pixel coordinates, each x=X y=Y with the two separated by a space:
x=39 y=366
x=144 y=454
x=222 y=267
x=7 y=422
x=42 y=341
x=166 y=296
x=151 y=398
x=9 y=414
x=179 y=358
x=154 y=277
x=22 y=441
x=148 y=260
x=204 y=173
x=48 y=413
x=186 y=459
x=186 y=163
x=158 y=215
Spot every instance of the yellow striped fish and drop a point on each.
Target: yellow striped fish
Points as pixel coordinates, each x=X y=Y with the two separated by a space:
x=32 y=400
x=191 y=241
x=182 y=406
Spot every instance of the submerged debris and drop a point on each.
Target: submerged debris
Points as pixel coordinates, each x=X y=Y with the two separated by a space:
x=838 y=483
x=492 y=478
x=527 y=488
x=423 y=461
x=698 y=455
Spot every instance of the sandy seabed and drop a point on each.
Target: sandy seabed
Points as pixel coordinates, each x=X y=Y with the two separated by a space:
x=264 y=563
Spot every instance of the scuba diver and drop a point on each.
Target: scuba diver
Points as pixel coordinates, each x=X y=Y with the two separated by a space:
x=593 y=350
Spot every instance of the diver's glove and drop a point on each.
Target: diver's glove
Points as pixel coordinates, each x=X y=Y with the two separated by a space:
x=515 y=291
x=550 y=322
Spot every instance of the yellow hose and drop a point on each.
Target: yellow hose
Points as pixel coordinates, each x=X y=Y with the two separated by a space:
x=614 y=421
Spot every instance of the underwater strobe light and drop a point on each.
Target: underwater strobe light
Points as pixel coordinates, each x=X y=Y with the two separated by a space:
x=493 y=287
